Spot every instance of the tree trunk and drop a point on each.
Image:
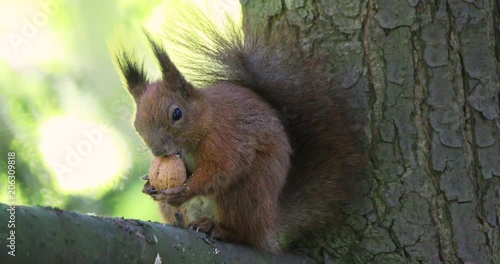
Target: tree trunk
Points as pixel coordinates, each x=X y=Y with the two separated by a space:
x=423 y=78
x=50 y=235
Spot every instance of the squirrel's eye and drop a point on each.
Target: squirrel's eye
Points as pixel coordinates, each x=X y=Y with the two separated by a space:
x=177 y=114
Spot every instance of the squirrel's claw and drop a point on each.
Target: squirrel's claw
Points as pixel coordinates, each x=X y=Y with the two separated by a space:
x=207 y=226
x=203 y=225
x=149 y=190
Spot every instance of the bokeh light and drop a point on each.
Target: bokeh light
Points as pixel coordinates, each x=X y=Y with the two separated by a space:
x=82 y=154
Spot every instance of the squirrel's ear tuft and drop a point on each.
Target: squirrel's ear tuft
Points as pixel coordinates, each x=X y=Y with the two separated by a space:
x=134 y=75
x=161 y=56
x=172 y=77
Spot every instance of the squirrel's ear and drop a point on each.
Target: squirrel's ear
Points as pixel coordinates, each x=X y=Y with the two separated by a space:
x=172 y=77
x=134 y=75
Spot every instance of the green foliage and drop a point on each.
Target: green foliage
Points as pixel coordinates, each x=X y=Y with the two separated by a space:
x=55 y=67
x=56 y=64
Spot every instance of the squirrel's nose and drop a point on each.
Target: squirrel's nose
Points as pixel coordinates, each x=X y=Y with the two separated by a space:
x=158 y=151
x=164 y=151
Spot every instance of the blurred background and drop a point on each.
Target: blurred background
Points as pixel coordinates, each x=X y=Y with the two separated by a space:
x=63 y=108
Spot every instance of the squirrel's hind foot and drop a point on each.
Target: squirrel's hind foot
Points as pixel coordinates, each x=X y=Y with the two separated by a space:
x=207 y=226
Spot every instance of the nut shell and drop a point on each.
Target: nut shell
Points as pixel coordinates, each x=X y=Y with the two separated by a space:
x=167 y=172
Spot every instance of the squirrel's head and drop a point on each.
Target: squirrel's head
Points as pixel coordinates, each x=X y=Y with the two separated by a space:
x=169 y=110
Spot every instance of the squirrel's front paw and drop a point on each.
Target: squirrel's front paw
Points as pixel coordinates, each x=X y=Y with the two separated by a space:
x=148 y=189
x=173 y=196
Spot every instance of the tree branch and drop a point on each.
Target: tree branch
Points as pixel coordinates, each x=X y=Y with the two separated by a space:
x=51 y=235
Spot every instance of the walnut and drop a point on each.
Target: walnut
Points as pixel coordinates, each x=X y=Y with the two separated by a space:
x=167 y=172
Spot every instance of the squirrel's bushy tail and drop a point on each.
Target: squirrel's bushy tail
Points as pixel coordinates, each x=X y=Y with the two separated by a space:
x=328 y=157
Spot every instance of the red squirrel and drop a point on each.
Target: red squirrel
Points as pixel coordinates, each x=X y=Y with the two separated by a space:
x=269 y=152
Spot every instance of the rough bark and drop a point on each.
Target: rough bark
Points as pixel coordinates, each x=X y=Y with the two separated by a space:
x=423 y=78
x=50 y=235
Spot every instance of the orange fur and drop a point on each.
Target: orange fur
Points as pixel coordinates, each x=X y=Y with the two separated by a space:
x=241 y=150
